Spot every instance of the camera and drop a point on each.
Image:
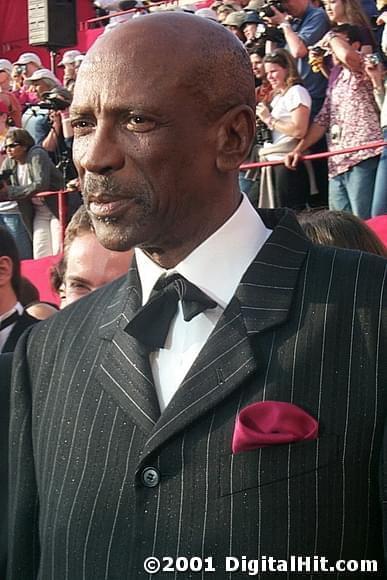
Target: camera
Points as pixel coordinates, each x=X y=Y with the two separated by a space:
x=318 y=50
x=262 y=133
x=51 y=104
x=20 y=69
x=266 y=9
x=372 y=59
x=264 y=33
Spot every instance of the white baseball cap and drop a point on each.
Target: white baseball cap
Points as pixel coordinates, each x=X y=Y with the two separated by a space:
x=42 y=73
x=28 y=57
x=6 y=65
x=79 y=59
x=68 y=57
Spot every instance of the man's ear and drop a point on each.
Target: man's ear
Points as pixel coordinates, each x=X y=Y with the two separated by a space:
x=6 y=270
x=235 y=137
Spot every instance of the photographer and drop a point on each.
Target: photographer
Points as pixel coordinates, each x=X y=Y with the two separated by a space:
x=36 y=120
x=59 y=140
x=25 y=66
x=303 y=26
x=349 y=117
x=32 y=172
x=68 y=62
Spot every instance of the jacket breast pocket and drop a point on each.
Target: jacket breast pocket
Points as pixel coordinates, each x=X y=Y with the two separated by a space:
x=267 y=465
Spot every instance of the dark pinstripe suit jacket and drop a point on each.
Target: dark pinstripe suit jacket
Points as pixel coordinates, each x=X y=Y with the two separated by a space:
x=306 y=325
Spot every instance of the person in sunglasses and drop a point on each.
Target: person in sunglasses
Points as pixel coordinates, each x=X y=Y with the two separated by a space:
x=32 y=171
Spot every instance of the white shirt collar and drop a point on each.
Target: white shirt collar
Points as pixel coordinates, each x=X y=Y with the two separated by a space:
x=17 y=308
x=218 y=264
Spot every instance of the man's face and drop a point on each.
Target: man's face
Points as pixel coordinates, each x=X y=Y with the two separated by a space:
x=296 y=8
x=257 y=66
x=249 y=31
x=69 y=70
x=90 y=266
x=29 y=69
x=40 y=87
x=144 y=149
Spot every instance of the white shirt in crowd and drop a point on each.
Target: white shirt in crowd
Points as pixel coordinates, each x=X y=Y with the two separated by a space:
x=216 y=267
x=281 y=109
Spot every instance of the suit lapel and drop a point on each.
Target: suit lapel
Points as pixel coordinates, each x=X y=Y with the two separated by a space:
x=262 y=301
x=124 y=370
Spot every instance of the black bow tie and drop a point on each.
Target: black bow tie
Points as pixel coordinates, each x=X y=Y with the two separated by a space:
x=150 y=325
x=9 y=320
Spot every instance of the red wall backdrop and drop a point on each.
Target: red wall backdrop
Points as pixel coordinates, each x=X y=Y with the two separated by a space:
x=14 y=30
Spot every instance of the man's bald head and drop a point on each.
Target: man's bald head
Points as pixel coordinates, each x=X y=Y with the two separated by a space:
x=210 y=62
x=163 y=116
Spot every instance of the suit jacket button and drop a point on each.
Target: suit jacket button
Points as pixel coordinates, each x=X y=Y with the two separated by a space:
x=150 y=477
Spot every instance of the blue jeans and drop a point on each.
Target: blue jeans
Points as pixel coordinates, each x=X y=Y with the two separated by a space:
x=353 y=190
x=14 y=223
x=379 y=204
x=250 y=187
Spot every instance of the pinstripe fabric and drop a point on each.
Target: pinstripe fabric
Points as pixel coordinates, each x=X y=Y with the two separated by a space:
x=306 y=325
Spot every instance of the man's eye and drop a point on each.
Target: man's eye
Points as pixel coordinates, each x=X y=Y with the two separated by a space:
x=80 y=124
x=140 y=124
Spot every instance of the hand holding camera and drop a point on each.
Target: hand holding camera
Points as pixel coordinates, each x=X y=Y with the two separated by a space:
x=263 y=112
x=375 y=71
x=316 y=55
x=274 y=12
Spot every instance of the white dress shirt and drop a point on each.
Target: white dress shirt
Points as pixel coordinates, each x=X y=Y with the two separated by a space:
x=4 y=334
x=216 y=267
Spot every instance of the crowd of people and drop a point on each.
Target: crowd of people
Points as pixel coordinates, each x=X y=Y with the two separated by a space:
x=225 y=399
x=212 y=385
x=35 y=149
x=320 y=85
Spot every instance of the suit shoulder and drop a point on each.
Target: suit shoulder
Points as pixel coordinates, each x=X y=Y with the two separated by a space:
x=347 y=256
x=348 y=273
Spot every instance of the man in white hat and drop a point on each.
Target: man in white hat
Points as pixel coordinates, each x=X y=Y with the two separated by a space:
x=68 y=61
x=36 y=119
x=30 y=61
x=234 y=23
x=25 y=66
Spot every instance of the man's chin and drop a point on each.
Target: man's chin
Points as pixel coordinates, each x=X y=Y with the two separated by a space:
x=113 y=236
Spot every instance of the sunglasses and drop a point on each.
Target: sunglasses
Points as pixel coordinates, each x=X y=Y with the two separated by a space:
x=11 y=145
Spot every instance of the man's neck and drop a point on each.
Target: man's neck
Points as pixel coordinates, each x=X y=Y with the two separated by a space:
x=168 y=255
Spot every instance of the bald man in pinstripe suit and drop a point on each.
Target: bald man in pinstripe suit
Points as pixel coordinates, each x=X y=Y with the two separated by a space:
x=120 y=452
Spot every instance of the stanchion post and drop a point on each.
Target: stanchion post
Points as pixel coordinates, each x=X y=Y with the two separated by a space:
x=62 y=210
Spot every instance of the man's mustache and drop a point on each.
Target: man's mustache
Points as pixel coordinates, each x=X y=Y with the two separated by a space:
x=102 y=185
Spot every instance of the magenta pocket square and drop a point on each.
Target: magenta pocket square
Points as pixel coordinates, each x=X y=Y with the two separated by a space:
x=272 y=423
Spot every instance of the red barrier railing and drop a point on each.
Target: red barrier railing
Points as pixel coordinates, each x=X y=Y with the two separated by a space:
x=62 y=194
x=324 y=155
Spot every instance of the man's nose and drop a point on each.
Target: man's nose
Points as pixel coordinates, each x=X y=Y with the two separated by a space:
x=103 y=155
